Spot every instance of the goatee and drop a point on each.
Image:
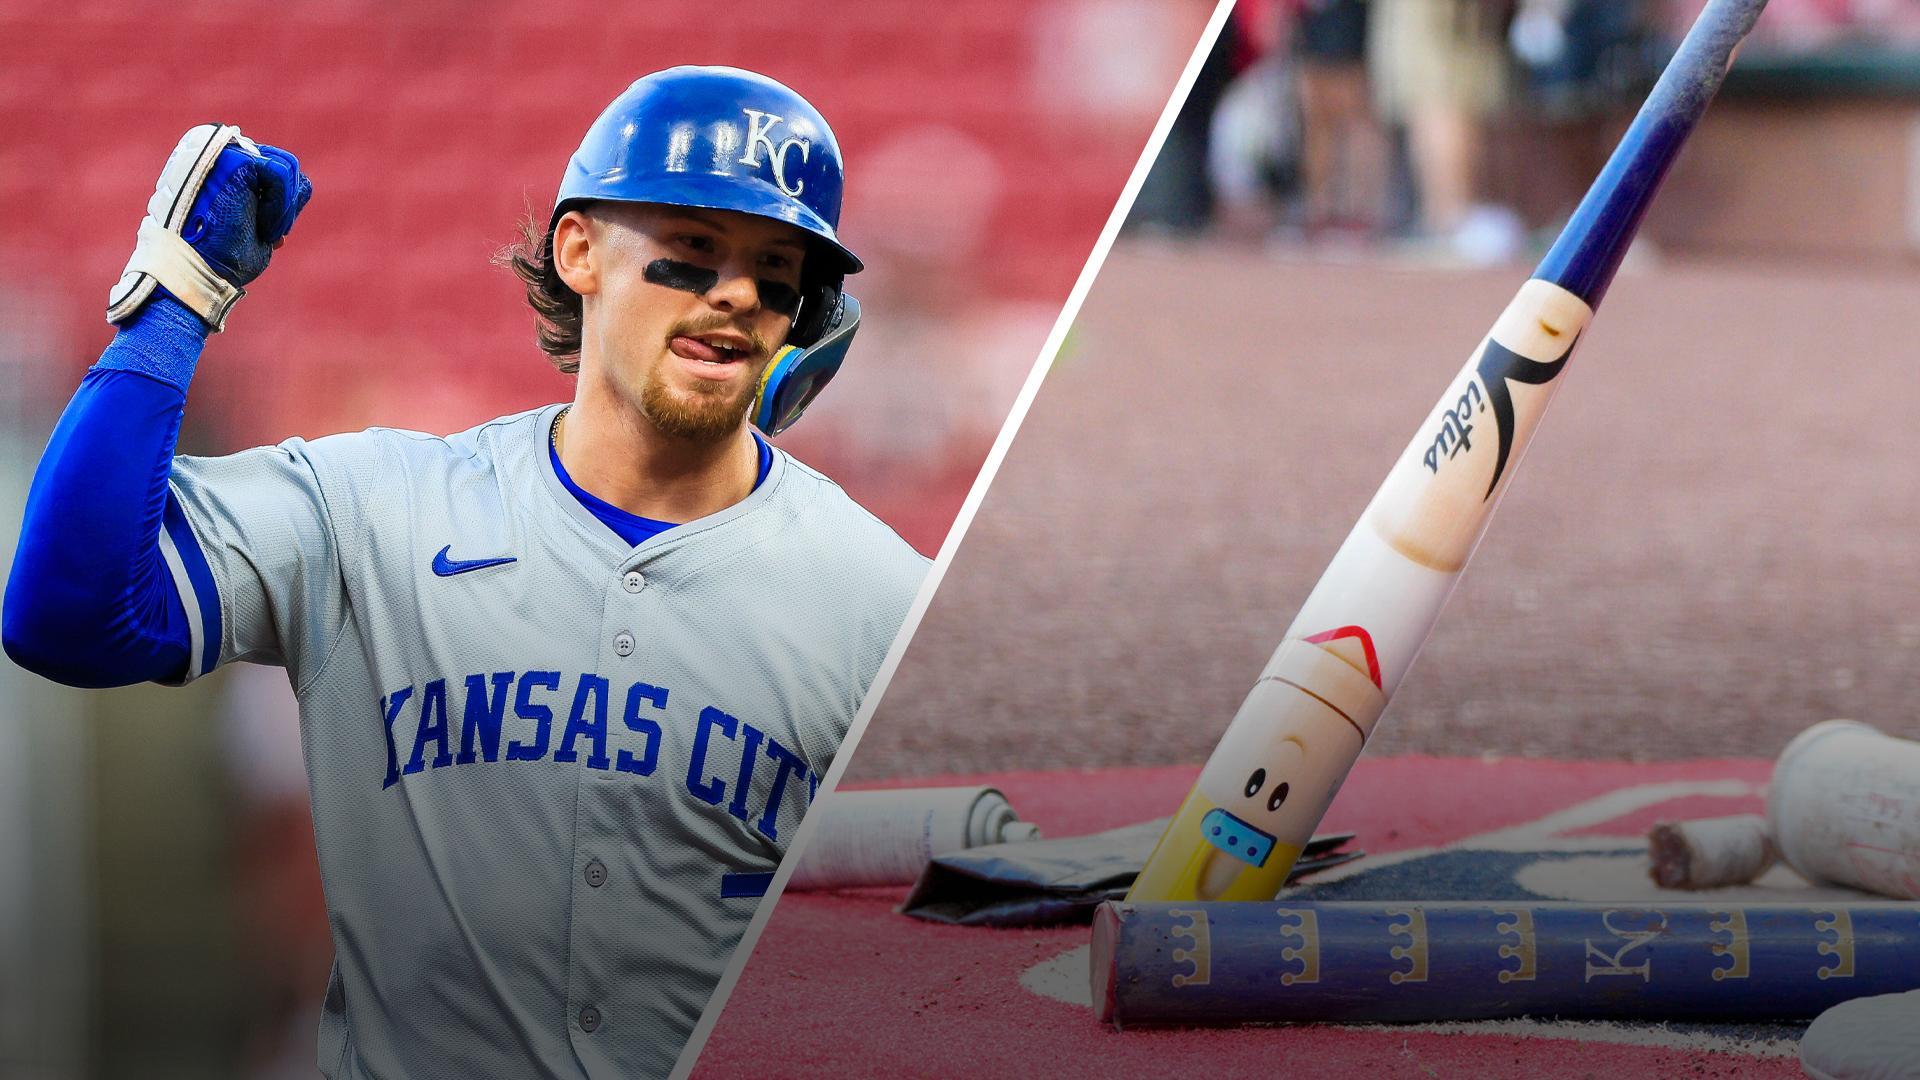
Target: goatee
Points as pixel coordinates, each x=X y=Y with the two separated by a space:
x=699 y=415
x=705 y=412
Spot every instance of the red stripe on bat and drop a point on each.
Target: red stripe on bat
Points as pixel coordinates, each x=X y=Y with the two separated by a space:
x=1366 y=643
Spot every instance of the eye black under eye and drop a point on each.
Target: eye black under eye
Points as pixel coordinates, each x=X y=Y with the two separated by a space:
x=1279 y=796
x=1256 y=782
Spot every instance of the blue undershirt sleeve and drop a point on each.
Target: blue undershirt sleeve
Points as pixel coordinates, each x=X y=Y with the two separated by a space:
x=94 y=596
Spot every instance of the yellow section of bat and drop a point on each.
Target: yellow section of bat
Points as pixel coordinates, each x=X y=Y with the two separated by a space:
x=1268 y=783
x=1185 y=865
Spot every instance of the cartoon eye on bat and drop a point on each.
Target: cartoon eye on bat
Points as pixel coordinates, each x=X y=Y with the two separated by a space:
x=1254 y=800
x=1259 y=780
x=1238 y=837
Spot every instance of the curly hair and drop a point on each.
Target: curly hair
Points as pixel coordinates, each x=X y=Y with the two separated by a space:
x=556 y=308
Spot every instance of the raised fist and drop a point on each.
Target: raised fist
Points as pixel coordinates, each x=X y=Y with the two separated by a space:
x=222 y=205
x=244 y=209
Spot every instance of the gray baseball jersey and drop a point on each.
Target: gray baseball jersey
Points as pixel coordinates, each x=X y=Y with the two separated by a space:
x=551 y=773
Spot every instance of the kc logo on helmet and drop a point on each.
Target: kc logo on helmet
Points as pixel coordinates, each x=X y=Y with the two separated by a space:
x=760 y=127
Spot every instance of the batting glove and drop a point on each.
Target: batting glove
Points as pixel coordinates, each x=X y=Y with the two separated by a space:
x=223 y=203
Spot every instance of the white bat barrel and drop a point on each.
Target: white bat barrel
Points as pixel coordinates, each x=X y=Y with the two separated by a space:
x=1844 y=806
x=874 y=838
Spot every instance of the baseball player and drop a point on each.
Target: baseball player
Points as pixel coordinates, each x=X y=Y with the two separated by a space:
x=567 y=680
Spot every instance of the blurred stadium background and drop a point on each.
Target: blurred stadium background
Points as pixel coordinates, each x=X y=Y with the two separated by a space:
x=1710 y=547
x=159 y=908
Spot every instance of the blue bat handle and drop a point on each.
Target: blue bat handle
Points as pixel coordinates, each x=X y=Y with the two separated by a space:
x=1589 y=250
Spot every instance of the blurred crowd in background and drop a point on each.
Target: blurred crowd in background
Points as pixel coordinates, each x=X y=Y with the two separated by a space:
x=160 y=912
x=1354 y=124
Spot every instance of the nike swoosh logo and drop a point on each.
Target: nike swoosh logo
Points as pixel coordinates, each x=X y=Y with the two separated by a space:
x=446 y=567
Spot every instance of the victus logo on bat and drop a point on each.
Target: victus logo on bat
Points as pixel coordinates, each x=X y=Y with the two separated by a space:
x=1434 y=504
x=1498 y=367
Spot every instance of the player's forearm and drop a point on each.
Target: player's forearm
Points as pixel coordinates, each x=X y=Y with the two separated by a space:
x=163 y=341
x=90 y=601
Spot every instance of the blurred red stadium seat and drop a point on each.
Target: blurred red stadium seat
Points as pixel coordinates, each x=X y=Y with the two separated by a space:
x=431 y=127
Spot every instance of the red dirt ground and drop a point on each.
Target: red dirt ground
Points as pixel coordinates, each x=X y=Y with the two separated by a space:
x=1709 y=547
x=840 y=985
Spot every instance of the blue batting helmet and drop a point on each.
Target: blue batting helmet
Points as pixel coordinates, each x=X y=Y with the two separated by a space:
x=726 y=139
x=715 y=137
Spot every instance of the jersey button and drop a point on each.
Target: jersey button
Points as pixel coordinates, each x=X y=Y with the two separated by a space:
x=634 y=581
x=596 y=873
x=589 y=1019
x=623 y=643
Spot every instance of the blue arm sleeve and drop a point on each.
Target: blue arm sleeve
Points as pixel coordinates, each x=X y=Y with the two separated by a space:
x=90 y=600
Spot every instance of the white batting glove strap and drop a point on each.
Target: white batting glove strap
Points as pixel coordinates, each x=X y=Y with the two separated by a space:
x=161 y=257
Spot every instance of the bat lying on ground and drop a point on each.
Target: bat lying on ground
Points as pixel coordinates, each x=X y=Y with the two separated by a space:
x=1287 y=750
x=1374 y=962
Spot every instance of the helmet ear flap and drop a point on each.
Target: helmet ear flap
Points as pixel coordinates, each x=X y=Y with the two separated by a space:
x=798 y=374
x=819 y=307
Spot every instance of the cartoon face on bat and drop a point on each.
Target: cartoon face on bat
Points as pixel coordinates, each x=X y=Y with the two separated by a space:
x=1233 y=832
x=1258 y=799
x=1274 y=779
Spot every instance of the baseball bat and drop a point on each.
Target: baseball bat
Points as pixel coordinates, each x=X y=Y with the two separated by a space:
x=1420 y=963
x=887 y=837
x=1296 y=736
